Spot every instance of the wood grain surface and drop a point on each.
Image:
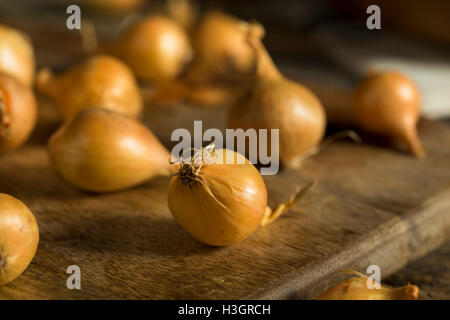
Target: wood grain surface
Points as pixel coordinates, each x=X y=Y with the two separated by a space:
x=431 y=273
x=372 y=205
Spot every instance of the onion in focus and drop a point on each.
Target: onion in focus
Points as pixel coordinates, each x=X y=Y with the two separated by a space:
x=102 y=151
x=219 y=203
x=220 y=198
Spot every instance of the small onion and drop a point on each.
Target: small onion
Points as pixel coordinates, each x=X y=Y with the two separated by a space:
x=221 y=49
x=102 y=151
x=388 y=103
x=222 y=199
x=356 y=288
x=156 y=48
x=100 y=81
x=16 y=55
x=18 y=113
x=275 y=102
x=19 y=238
x=223 y=66
x=218 y=204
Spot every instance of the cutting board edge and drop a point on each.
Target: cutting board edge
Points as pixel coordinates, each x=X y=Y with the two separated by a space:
x=429 y=214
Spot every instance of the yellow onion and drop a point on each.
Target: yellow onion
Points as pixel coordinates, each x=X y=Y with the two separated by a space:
x=388 y=103
x=156 y=48
x=18 y=113
x=16 y=55
x=223 y=66
x=222 y=198
x=275 y=102
x=19 y=238
x=385 y=103
x=100 y=81
x=102 y=151
x=221 y=49
x=356 y=288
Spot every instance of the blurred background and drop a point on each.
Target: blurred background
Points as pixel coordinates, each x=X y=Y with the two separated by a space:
x=311 y=40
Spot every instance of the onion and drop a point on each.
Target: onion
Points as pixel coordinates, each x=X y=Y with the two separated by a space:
x=221 y=49
x=16 y=55
x=19 y=238
x=385 y=103
x=275 y=102
x=18 y=113
x=223 y=67
x=356 y=288
x=100 y=81
x=222 y=199
x=156 y=48
x=388 y=103
x=102 y=151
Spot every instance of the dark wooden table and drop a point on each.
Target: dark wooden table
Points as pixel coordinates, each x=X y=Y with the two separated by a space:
x=431 y=273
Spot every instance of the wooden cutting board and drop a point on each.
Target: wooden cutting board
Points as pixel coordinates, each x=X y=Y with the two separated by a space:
x=372 y=205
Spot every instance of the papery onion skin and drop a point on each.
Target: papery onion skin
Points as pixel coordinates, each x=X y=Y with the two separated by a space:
x=275 y=102
x=356 y=288
x=225 y=206
x=388 y=103
x=100 y=81
x=156 y=48
x=19 y=238
x=20 y=109
x=16 y=55
x=102 y=151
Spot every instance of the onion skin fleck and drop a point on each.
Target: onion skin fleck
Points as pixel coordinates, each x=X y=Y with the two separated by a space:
x=388 y=103
x=156 y=48
x=16 y=55
x=356 y=288
x=102 y=151
x=18 y=113
x=275 y=102
x=19 y=238
x=224 y=205
x=100 y=81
